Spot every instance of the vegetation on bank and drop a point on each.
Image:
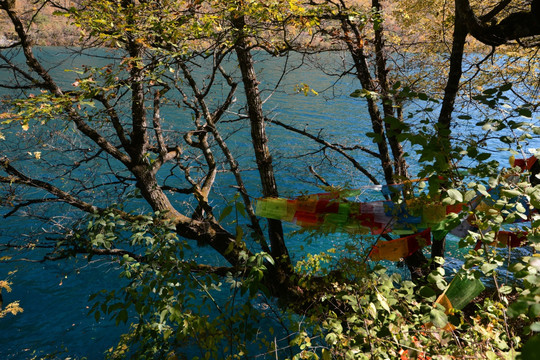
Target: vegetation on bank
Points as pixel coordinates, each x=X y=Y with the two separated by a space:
x=46 y=29
x=108 y=123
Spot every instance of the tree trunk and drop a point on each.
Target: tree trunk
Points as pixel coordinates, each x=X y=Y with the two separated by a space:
x=260 y=140
x=400 y=166
x=447 y=108
x=366 y=81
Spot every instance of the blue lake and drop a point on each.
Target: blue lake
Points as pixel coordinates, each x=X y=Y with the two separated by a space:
x=54 y=295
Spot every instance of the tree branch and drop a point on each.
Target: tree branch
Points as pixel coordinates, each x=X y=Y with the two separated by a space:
x=19 y=178
x=26 y=203
x=337 y=149
x=515 y=26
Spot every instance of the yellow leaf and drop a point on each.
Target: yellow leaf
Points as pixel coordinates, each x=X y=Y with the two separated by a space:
x=5 y=285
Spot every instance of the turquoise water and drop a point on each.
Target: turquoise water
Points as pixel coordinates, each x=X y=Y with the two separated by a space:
x=54 y=294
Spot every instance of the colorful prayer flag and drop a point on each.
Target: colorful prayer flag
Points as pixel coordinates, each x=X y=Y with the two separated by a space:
x=461 y=291
x=397 y=249
x=506 y=239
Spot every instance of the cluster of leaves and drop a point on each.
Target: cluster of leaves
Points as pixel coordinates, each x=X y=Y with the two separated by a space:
x=184 y=27
x=513 y=272
x=378 y=315
x=177 y=308
x=365 y=313
x=175 y=305
x=12 y=308
x=379 y=318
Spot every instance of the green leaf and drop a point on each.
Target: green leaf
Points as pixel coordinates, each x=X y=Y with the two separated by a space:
x=383 y=302
x=469 y=195
x=326 y=354
x=483 y=157
x=427 y=292
x=438 y=318
x=517 y=308
x=535 y=326
x=239 y=233
x=455 y=195
x=241 y=208
x=487 y=268
x=356 y=93
x=331 y=339
x=226 y=211
x=510 y=193
x=372 y=310
x=534 y=311
x=525 y=112
x=530 y=349
x=506 y=87
x=122 y=316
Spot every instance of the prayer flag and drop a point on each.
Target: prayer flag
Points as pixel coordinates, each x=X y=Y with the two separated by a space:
x=506 y=239
x=327 y=206
x=307 y=219
x=397 y=249
x=392 y=250
x=276 y=208
x=454 y=209
x=417 y=241
x=306 y=204
x=462 y=290
x=433 y=213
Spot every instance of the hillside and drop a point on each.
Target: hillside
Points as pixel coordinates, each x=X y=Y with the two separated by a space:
x=55 y=30
x=47 y=29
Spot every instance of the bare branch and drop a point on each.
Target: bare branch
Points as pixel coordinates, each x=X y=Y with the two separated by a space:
x=495 y=11
x=319 y=177
x=115 y=120
x=337 y=149
x=26 y=203
x=19 y=178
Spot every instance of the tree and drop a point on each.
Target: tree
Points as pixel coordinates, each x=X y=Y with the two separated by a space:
x=113 y=117
x=109 y=122
x=465 y=23
x=378 y=86
x=143 y=153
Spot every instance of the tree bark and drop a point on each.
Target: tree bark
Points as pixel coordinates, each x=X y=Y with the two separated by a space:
x=259 y=137
x=447 y=108
x=515 y=26
x=400 y=166
x=363 y=74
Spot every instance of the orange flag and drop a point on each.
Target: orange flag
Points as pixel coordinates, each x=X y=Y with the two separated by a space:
x=397 y=249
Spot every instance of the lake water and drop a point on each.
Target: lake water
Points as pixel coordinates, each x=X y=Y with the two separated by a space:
x=54 y=294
